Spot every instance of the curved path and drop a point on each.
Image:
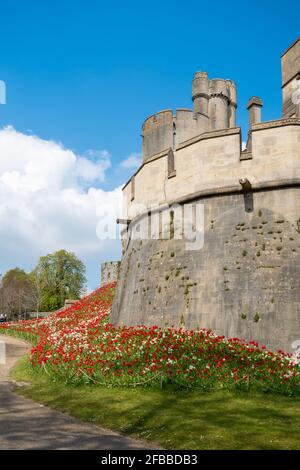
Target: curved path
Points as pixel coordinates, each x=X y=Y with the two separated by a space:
x=25 y=424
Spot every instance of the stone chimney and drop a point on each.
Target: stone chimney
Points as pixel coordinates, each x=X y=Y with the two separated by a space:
x=254 y=107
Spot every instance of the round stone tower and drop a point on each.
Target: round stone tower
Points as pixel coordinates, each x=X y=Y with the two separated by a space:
x=238 y=273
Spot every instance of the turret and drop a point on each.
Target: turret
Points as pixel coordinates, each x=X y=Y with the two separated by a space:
x=215 y=104
x=216 y=100
x=290 y=65
x=200 y=93
x=157 y=133
x=233 y=103
x=218 y=104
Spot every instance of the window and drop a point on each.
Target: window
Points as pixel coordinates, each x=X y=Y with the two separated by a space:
x=132 y=188
x=171 y=164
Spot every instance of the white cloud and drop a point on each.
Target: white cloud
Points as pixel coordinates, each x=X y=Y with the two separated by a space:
x=92 y=165
x=44 y=203
x=132 y=162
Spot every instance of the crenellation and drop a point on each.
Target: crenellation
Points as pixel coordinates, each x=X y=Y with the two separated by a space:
x=157 y=133
x=215 y=103
x=233 y=103
x=188 y=124
x=200 y=94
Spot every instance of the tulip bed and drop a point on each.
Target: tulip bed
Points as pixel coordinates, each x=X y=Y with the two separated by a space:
x=79 y=345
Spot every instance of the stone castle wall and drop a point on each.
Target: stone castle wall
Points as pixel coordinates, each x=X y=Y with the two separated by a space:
x=244 y=282
x=214 y=161
x=109 y=272
x=290 y=64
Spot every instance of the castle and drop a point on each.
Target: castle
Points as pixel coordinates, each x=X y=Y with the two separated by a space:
x=243 y=279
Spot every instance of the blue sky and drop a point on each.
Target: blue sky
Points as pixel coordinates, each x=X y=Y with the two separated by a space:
x=87 y=73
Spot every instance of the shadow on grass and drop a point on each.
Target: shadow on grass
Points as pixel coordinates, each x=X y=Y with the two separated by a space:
x=180 y=419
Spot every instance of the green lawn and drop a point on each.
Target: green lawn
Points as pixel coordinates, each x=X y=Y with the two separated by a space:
x=176 y=419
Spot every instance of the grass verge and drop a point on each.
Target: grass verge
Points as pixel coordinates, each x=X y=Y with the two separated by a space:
x=174 y=418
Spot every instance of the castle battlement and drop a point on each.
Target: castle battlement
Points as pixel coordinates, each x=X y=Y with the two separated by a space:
x=214 y=161
x=201 y=149
x=215 y=103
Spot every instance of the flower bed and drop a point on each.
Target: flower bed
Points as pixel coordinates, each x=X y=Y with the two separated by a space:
x=78 y=345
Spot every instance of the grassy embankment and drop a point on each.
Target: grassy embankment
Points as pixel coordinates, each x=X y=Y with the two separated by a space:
x=174 y=418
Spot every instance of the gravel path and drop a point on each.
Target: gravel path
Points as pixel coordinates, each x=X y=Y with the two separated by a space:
x=25 y=424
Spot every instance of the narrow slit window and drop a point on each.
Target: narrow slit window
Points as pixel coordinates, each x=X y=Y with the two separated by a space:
x=171 y=164
x=132 y=188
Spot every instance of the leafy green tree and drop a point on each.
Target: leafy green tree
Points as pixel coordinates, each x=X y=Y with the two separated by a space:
x=60 y=276
x=16 y=293
x=37 y=290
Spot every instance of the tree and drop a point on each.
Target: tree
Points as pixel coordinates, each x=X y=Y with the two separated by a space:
x=37 y=289
x=16 y=297
x=60 y=275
